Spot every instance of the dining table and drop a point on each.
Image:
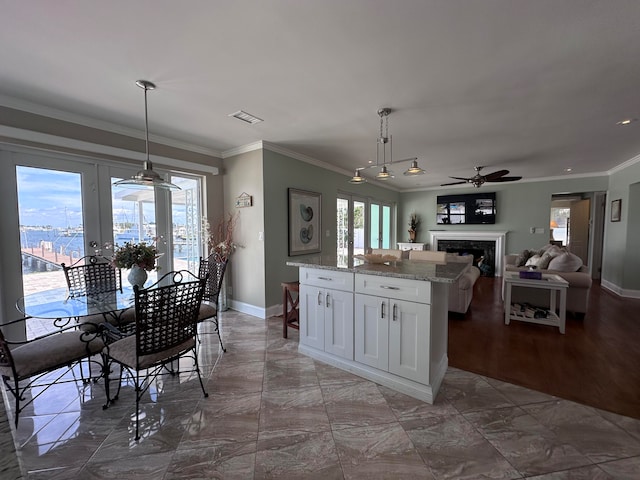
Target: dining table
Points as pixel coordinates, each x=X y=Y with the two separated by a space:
x=57 y=305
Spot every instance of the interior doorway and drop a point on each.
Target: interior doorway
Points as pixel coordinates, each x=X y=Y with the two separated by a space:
x=577 y=223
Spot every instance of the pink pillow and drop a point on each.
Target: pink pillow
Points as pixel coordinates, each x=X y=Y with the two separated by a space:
x=565 y=262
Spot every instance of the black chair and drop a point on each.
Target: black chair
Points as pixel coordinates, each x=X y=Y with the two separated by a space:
x=166 y=316
x=27 y=364
x=214 y=271
x=95 y=275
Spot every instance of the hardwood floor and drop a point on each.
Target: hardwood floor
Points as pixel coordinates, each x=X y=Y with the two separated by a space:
x=597 y=361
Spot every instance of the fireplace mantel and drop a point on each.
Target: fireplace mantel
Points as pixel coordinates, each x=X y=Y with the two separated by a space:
x=498 y=237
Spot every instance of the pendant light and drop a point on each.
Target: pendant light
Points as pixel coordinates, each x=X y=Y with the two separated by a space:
x=357 y=179
x=381 y=154
x=414 y=170
x=147 y=177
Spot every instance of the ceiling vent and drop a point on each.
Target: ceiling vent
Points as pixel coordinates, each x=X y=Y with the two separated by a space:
x=246 y=117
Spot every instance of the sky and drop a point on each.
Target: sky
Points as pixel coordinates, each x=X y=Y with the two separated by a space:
x=53 y=198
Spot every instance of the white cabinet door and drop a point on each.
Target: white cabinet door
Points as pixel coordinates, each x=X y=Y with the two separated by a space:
x=371 y=331
x=409 y=340
x=312 y=316
x=338 y=323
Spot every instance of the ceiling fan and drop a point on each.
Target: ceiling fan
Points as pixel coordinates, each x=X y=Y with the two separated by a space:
x=477 y=180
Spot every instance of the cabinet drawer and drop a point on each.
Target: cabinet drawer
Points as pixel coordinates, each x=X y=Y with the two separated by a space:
x=399 y=288
x=327 y=279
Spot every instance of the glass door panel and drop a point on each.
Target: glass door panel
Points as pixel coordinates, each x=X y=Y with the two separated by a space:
x=343 y=236
x=186 y=214
x=51 y=223
x=380 y=234
x=351 y=228
x=375 y=226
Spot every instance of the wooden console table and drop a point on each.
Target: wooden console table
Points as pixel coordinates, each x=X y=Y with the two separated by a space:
x=556 y=285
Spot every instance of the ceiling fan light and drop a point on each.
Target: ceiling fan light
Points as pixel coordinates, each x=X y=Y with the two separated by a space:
x=357 y=179
x=414 y=169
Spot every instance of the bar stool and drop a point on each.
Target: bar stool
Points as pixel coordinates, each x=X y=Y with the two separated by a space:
x=290 y=313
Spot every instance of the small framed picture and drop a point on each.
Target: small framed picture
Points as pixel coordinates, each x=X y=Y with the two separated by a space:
x=616 y=208
x=304 y=222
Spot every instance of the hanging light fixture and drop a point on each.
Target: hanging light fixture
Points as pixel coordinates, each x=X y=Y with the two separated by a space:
x=414 y=169
x=146 y=177
x=381 y=154
x=357 y=178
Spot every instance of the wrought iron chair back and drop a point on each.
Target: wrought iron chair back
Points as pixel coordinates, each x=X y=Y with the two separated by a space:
x=213 y=270
x=167 y=312
x=92 y=275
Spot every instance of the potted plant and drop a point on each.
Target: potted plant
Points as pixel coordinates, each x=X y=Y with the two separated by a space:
x=414 y=221
x=140 y=258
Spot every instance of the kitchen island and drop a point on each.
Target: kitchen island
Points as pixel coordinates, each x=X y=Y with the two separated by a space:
x=384 y=322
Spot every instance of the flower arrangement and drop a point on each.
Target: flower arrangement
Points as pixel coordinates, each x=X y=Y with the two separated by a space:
x=141 y=254
x=414 y=221
x=220 y=241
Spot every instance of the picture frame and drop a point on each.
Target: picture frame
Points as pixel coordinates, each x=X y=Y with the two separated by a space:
x=305 y=222
x=616 y=209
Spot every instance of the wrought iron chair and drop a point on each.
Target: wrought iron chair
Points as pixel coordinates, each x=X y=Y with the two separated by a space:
x=95 y=275
x=214 y=271
x=27 y=364
x=166 y=317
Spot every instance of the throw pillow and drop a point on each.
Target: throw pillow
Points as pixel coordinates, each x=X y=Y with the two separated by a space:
x=533 y=261
x=543 y=264
x=522 y=258
x=565 y=262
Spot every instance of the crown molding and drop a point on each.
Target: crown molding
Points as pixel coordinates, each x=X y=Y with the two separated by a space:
x=91 y=122
x=622 y=166
x=54 y=143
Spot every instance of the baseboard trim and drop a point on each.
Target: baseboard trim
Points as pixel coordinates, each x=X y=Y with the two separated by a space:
x=254 y=311
x=622 y=292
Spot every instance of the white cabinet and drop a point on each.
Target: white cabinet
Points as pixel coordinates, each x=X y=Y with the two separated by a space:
x=326 y=314
x=392 y=334
x=405 y=246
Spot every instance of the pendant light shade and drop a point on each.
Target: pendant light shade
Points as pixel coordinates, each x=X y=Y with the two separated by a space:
x=357 y=179
x=414 y=169
x=146 y=177
x=384 y=174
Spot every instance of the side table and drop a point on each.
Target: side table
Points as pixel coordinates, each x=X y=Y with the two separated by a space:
x=557 y=287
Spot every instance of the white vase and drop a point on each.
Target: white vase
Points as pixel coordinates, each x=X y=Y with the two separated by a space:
x=137 y=276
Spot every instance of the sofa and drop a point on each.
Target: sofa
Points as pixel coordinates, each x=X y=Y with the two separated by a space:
x=461 y=292
x=567 y=266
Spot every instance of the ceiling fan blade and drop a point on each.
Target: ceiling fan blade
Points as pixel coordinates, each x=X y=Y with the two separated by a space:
x=462 y=178
x=505 y=179
x=491 y=177
x=454 y=183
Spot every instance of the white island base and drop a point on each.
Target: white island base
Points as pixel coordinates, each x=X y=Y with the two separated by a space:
x=390 y=329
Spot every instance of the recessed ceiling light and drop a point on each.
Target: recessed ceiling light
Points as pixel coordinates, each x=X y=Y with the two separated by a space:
x=626 y=121
x=245 y=117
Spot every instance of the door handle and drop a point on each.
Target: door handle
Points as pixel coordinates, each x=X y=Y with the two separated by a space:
x=319 y=297
x=382 y=308
x=327 y=300
x=395 y=312
x=387 y=287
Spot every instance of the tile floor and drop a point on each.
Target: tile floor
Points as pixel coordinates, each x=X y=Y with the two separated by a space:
x=272 y=413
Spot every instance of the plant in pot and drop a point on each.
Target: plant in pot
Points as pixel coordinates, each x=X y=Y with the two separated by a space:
x=414 y=221
x=139 y=258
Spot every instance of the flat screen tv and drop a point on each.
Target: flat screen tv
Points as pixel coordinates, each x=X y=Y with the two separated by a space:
x=469 y=208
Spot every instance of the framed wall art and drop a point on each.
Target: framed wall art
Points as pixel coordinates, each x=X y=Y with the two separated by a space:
x=616 y=208
x=305 y=225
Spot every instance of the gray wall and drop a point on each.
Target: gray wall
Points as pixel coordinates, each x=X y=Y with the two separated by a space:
x=519 y=207
x=244 y=174
x=282 y=172
x=621 y=256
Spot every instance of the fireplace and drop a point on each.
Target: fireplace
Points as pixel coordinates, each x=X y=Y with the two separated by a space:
x=490 y=245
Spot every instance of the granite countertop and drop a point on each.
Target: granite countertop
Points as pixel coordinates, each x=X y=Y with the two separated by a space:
x=409 y=269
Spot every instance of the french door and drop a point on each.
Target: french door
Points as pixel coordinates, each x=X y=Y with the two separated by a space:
x=362 y=224
x=69 y=208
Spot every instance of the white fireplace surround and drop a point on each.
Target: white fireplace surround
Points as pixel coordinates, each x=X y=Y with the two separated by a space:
x=498 y=237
